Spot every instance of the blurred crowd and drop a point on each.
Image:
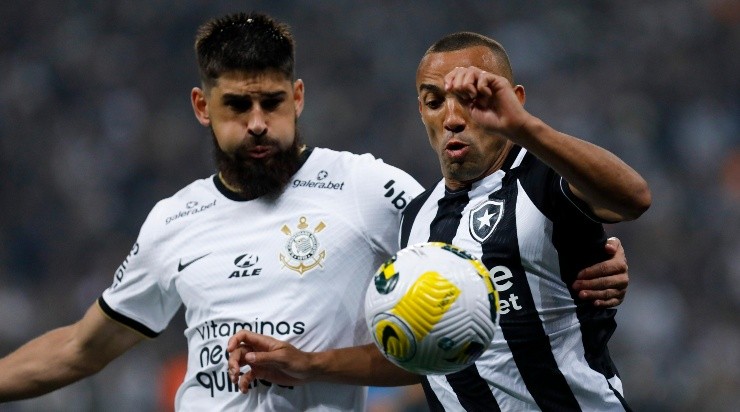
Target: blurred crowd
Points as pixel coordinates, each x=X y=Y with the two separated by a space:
x=96 y=126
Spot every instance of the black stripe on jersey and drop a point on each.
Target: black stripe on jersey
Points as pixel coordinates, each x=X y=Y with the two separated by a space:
x=522 y=326
x=407 y=221
x=449 y=213
x=621 y=398
x=579 y=240
x=432 y=401
x=409 y=215
x=471 y=389
x=139 y=327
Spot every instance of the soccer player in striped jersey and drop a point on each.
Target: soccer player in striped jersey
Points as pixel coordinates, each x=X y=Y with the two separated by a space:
x=530 y=202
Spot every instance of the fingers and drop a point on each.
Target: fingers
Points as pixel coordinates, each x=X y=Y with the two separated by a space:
x=253 y=341
x=241 y=347
x=240 y=357
x=614 y=246
x=470 y=82
x=605 y=283
x=603 y=298
x=237 y=359
x=615 y=265
x=616 y=282
x=244 y=380
x=242 y=338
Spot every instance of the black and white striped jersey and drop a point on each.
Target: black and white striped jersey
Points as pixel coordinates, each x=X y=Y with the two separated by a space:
x=549 y=351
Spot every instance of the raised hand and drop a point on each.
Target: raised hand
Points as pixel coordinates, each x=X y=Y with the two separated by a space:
x=492 y=100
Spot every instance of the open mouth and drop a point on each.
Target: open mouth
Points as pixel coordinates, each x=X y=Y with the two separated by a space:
x=456 y=149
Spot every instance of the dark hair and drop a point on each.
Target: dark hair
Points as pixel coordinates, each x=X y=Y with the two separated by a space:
x=466 y=39
x=251 y=42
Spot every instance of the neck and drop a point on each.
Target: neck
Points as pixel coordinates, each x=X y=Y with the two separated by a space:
x=228 y=186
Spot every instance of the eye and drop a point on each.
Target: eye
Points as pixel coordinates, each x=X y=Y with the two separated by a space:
x=271 y=103
x=240 y=106
x=433 y=103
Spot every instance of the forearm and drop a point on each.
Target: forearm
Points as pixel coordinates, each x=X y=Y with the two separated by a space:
x=614 y=190
x=360 y=365
x=64 y=355
x=42 y=365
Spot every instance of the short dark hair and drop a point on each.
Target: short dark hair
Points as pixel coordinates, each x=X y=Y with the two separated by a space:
x=252 y=42
x=465 y=39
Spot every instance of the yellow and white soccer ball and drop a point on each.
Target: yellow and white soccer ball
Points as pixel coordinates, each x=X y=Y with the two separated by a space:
x=432 y=308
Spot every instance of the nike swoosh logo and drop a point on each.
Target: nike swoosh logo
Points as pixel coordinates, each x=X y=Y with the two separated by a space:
x=181 y=266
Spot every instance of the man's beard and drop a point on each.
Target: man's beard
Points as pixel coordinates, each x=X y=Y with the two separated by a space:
x=253 y=178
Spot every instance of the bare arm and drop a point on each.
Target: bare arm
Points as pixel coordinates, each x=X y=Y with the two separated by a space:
x=282 y=363
x=64 y=355
x=613 y=189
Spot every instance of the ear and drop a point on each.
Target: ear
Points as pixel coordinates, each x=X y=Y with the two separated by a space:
x=200 y=106
x=520 y=94
x=298 y=93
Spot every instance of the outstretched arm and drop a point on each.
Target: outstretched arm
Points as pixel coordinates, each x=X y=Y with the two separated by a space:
x=605 y=283
x=615 y=191
x=64 y=355
x=282 y=363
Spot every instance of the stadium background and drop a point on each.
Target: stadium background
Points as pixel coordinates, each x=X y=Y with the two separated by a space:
x=96 y=126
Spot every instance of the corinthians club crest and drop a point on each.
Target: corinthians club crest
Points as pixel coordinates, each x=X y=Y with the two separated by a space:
x=485 y=218
x=302 y=248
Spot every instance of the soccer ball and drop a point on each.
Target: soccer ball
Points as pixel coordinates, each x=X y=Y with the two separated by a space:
x=432 y=308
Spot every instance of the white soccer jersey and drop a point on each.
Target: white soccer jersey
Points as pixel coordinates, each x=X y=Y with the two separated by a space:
x=293 y=266
x=549 y=351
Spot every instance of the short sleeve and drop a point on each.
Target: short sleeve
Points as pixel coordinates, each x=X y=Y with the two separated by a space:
x=380 y=200
x=139 y=297
x=574 y=201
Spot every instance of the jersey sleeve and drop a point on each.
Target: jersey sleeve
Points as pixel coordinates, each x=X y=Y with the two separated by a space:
x=139 y=296
x=564 y=190
x=552 y=193
x=385 y=193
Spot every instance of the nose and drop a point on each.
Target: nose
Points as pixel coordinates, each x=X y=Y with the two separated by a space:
x=454 y=120
x=257 y=125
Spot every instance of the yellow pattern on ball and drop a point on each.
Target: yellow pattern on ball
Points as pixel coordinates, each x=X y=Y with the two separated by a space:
x=425 y=302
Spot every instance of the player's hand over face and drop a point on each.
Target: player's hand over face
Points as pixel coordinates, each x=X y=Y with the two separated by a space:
x=605 y=283
x=491 y=99
x=270 y=359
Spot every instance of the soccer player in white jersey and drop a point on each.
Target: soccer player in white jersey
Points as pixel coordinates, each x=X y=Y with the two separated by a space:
x=529 y=201
x=282 y=241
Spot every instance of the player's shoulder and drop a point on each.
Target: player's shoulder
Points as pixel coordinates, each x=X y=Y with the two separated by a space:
x=368 y=179
x=366 y=166
x=198 y=196
x=431 y=193
x=347 y=159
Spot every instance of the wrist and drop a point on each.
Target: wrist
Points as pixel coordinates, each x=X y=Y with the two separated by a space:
x=318 y=366
x=531 y=126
